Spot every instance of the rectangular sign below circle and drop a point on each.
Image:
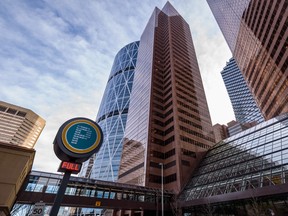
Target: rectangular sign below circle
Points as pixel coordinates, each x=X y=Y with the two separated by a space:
x=38 y=209
x=70 y=166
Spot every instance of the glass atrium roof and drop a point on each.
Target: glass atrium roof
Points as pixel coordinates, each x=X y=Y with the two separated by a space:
x=255 y=158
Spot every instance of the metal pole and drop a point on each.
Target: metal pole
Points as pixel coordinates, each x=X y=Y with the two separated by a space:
x=162 y=188
x=60 y=194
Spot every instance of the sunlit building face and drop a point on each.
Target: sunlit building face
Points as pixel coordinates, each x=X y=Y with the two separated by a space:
x=256 y=32
x=168 y=120
x=19 y=126
x=112 y=116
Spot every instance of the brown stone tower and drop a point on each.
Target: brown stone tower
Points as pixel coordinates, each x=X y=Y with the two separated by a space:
x=168 y=121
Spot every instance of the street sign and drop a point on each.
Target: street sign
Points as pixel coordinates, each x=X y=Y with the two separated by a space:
x=38 y=209
x=77 y=139
x=73 y=167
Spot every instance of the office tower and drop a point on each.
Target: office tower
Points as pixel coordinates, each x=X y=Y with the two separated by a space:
x=19 y=131
x=235 y=127
x=168 y=125
x=220 y=132
x=256 y=32
x=244 y=105
x=112 y=116
x=19 y=126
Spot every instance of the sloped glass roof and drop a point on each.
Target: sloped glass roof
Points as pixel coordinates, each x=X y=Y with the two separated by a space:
x=255 y=158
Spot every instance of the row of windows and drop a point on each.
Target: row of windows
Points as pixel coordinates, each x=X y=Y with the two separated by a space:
x=188 y=114
x=186 y=99
x=162 y=155
x=112 y=113
x=166 y=179
x=158 y=99
x=186 y=93
x=188 y=153
x=194 y=142
x=129 y=68
x=162 y=142
x=188 y=107
x=184 y=120
x=163 y=133
x=235 y=185
x=163 y=124
x=195 y=133
x=184 y=79
x=12 y=111
x=131 y=170
x=158 y=114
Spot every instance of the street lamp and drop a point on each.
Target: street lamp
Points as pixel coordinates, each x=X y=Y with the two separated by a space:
x=162 y=187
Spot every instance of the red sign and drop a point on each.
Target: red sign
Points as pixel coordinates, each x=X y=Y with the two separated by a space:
x=69 y=166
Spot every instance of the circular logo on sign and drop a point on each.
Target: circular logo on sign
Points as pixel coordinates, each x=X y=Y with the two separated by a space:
x=81 y=136
x=77 y=139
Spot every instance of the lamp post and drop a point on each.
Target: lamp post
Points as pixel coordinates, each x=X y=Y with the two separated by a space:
x=162 y=187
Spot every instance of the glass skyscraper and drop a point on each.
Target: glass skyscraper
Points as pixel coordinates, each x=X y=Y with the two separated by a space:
x=256 y=32
x=112 y=116
x=168 y=125
x=244 y=105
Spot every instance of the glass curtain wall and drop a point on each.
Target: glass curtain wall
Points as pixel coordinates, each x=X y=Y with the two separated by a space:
x=112 y=116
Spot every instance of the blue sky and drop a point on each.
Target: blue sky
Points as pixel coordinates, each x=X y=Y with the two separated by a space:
x=56 y=56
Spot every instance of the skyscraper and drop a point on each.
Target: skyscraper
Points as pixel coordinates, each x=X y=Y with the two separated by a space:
x=112 y=116
x=19 y=126
x=19 y=131
x=256 y=32
x=244 y=105
x=168 y=125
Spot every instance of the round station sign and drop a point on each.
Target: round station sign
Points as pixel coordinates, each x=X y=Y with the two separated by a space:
x=77 y=139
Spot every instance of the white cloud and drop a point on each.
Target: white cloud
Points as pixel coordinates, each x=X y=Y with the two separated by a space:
x=55 y=57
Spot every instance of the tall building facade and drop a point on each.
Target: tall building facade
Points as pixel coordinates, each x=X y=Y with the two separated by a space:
x=220 y=132
x=235 y=127
x=168 y=125
x=19 y=126
x=244 y=105
x=256 y=32
x=112 y=116
x=19 y=131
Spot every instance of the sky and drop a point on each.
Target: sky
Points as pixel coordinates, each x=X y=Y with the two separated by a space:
x=56 y=56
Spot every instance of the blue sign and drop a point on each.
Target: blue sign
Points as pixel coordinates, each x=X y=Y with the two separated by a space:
x=81 y=136
x=78 y=138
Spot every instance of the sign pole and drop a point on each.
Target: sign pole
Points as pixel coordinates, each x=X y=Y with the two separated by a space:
x=60 y=194
x=76 y=140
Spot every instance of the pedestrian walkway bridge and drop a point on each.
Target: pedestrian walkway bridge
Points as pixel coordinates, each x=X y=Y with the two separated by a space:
x=90 y=193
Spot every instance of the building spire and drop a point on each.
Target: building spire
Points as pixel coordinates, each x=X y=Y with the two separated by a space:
x=170 y=10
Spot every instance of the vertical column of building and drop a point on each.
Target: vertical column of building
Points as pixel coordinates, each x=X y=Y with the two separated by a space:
x=133 y=160
x=260 y=49
x=175 y=123
x=263 y=33
x=192 y=123
x=112 y=116
x=244 y=105
x=161 y=148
